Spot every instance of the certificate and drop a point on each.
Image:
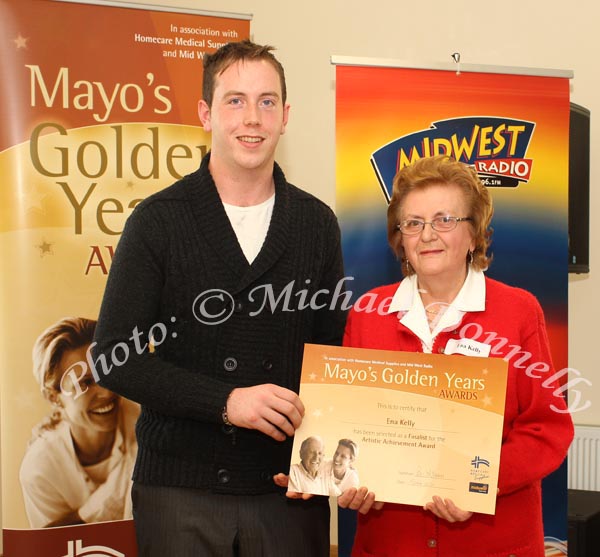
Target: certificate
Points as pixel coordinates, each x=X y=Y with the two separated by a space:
x=406 y=425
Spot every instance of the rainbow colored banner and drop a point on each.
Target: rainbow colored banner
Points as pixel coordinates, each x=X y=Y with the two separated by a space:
x=98 y=106
x=514 y=129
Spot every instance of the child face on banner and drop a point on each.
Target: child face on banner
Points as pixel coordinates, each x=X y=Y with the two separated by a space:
x=247 y=116
x=87 y=406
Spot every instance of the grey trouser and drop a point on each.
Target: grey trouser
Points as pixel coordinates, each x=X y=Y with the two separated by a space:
x=184 y=522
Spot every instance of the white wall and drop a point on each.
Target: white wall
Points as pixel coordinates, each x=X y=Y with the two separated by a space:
x=534 y=33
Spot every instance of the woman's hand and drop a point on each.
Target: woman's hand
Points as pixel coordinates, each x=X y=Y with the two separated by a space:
x=446 y=509
x=361 y=500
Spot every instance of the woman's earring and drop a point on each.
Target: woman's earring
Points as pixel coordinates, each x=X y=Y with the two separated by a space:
x=407 y=267
x=470 y=257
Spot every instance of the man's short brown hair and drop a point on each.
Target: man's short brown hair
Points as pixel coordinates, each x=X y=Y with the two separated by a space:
x=217 y=62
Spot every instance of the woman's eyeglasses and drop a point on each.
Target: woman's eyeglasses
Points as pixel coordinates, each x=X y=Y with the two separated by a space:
x=411 y=227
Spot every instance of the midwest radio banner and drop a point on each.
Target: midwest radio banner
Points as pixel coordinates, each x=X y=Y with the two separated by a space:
x=98 y=106
x=513 y=128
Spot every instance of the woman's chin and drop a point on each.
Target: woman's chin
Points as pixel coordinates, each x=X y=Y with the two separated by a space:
x=104 y=422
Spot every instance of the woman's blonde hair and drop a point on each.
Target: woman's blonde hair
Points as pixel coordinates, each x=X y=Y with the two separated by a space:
x=70 y=333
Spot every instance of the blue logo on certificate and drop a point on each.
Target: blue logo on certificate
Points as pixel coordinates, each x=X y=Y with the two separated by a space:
x=478 y=461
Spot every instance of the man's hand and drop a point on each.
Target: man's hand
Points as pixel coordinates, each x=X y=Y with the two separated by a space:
x=282 y=480
x=270 y=409
x=361 y=500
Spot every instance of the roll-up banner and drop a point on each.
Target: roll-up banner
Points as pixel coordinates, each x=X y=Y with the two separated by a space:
x=512 y=126
x=98 y=104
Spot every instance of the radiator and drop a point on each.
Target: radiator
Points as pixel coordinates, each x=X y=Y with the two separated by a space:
x=584 y=459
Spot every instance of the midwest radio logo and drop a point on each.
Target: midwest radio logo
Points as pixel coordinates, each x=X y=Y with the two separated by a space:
x=496 y=147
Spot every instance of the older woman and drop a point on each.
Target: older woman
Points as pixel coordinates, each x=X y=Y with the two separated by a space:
x=78 y=465
x=438 y=226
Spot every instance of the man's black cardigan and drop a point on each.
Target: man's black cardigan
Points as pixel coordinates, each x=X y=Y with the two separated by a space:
x=180 y=276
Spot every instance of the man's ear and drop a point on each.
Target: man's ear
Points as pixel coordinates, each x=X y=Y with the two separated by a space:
x=286 y=115
x=204 y=115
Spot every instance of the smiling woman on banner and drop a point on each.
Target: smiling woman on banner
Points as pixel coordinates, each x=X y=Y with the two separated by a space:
x=439 y=227
x=78 y=465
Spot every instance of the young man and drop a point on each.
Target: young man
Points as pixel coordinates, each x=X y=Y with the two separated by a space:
x=230 y=271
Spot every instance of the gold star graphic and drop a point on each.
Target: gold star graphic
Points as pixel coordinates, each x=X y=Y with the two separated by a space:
x=32 y=197
x=45 y=248
x=312 y=376
x=21 y=41
x=129 y=185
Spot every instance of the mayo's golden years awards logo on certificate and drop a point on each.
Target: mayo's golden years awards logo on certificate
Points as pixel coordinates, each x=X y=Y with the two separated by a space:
x=406 y=425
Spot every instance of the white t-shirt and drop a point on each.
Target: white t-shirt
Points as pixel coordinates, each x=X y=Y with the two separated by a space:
x=250 y=225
